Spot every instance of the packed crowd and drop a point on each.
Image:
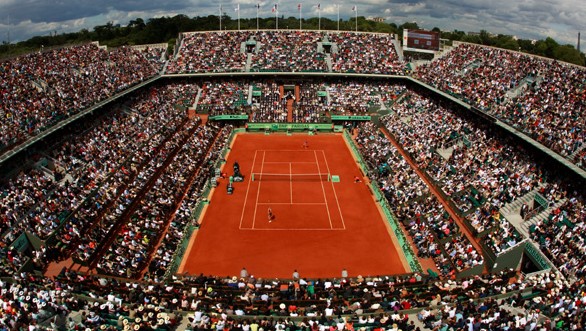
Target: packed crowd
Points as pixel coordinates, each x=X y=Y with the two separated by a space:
x=545 y=299
x=40 y=89
x=133 y=247
x=560 y=235
x=165 y=254
x=365 y=53
x=100 y=173
x=558 y=305
x=266 y=102
x=219 y=51
x=312 y=103
x=431 y=228
x=547 y=103
x=357 y=97
x=100 y=161
x=552 y=110
x=142 y=230
x=124 y=203
x=425 y=127
x=502 y=236
x=288 y=51
x=268 y=105
x=224 y=97
x=481 y=75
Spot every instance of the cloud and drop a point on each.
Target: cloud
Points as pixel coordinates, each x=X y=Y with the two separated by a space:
x=532 y=19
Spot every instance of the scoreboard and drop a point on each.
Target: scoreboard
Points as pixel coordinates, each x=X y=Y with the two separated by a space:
x=421 y=40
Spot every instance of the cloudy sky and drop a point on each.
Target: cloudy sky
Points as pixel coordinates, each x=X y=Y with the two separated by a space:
x=530 y=19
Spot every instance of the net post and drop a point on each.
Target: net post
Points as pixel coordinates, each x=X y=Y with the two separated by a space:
x=329 y=177
x=252 y=176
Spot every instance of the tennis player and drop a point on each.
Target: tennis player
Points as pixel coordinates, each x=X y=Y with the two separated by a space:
x=270 y=214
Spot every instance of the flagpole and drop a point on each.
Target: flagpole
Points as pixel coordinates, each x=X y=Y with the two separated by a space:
x=276 y=17
x=238 y=9
x=319 y=16
x=299 y=7
x=257 y=8
x=356 y=11
x=220 y=17
x=338 y=5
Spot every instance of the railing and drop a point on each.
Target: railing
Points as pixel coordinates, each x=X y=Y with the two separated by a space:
x=181 y=248
x=403 y=242
x=538 y=257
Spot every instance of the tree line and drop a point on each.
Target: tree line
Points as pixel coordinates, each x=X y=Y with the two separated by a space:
x=166 y=29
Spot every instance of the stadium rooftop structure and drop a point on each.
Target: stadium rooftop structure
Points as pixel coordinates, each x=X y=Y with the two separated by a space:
x=346 y=55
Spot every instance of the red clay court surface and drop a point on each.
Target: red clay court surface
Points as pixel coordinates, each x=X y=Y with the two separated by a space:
x=319 y=227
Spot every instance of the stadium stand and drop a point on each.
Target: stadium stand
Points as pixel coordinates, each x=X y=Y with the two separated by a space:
x=454 y=151
x=365 y=53
x=288 y=51
x=432 y=230
x=209 y=52
x=40 y=89
x=223 y=97
x=541 y=97
x=118 y=192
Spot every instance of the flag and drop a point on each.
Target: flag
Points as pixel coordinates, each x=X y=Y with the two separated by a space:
x=298 y=6
x=353 y=8
x=237 y=7
x=319 y=6
x=258 y=6
x=275 y=8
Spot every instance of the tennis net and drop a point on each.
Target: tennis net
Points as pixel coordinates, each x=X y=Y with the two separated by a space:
x=323 y=177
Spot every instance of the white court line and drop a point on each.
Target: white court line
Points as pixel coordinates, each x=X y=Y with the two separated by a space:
x=291 y=183
x=247 y=189
x=324 y=191
x=286 y=162
x=295 y=203
x=289 y=150
x=271 y=229
x=334 y=189
x=258 y=192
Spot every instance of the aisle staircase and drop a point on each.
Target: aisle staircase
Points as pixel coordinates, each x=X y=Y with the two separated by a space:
x=196 y=101
x=525 y=227
x=514 y=207
x=248 y=62
x=290 y=110
x=576 y=152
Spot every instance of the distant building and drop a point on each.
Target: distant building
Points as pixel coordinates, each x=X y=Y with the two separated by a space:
x=375 y=19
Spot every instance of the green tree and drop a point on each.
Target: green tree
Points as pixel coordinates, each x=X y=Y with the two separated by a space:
x=507 y=42
x=485 y=38
x=568 y=53
x=546 y=47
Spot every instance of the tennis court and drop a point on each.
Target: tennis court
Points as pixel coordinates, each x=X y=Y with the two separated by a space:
x=293 y=183
x=320 y=226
